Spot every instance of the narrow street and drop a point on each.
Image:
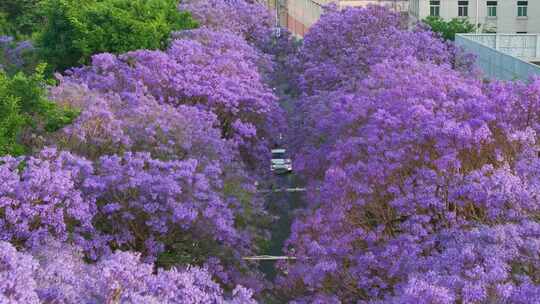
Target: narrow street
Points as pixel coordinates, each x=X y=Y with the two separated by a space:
x=281 y=204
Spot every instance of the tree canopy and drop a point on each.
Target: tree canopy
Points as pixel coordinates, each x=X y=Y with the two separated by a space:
x=449 y=29
x=75 y=30
x=19 y=18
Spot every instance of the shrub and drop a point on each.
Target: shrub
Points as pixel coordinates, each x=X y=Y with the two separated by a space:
x=26 y=111
x=449 y=29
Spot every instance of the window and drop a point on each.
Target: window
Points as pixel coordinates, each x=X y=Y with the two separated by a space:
x=492 y=8
x=463 y=8
x=522 y=8
x=434 y=8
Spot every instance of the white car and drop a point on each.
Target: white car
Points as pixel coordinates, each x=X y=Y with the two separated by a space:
x=280 y=164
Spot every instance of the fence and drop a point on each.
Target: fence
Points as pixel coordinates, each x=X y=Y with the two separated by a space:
x=503 y=56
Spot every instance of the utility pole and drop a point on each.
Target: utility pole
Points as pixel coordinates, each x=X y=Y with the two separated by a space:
x=477 y=13
x=283 y=12
x=277 y=13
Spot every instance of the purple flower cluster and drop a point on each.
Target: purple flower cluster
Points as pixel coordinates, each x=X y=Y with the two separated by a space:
x=424 y=183
x=344 y=44
x=113 y=123
x=250 y=21
x=56 y=273
x=132 y=202
x=41 y=198
x=216 y=72
x=188 y=180
x=14 y=56
x=145 y=202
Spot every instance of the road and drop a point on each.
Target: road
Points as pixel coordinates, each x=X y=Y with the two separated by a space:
x=281 y=204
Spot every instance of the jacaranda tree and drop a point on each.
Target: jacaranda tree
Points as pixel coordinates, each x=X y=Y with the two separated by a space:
x=55 y=273
x=423 y=183
x=214 y=74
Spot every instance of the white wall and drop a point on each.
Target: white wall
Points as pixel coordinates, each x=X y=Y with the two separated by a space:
x=506 y=21
x=398 y=5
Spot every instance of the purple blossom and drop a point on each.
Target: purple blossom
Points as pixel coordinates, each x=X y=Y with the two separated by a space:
x=215 y=75
x=17 y=284
x=251 y=21
x=44 y=199
x=15 y=56
x=422 y=181
x=56 y=273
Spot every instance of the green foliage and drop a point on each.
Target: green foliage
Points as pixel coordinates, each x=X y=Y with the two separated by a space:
x=449 y=29
x=24 y=107
x=18 y=57
x=19 y=18
x=77 y=29
x=5 y=26
x=11 y=120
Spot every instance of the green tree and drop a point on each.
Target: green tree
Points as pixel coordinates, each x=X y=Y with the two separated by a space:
x=77 y=29
x=449 y=29
x=19 y=18
x=24 y=108
x=5 y=26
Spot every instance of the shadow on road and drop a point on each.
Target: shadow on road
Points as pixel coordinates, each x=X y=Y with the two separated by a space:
x=282 y=205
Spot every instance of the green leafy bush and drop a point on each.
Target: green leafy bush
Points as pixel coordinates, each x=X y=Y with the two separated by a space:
x=4 y=24
x=19 y=18
x=77 y=29
x=24 y=108
x=449 y=29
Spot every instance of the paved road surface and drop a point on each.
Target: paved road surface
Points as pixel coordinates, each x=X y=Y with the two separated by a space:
x=281 y=204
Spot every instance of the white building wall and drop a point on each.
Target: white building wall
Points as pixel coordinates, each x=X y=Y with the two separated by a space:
x=397 y=5
x=506 y=21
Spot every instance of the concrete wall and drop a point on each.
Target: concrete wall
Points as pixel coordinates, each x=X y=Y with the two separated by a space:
x=506 y=21
x=494 y=62
x=524 y=46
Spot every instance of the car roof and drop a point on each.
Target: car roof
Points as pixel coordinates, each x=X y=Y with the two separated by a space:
x=278 y=150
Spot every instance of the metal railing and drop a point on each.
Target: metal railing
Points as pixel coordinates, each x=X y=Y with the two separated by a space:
x=268 y=258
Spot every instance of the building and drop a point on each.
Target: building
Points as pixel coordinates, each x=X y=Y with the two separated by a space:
x=299 y=15
x=504 y=56
x=396 y=5
x=501 y=16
